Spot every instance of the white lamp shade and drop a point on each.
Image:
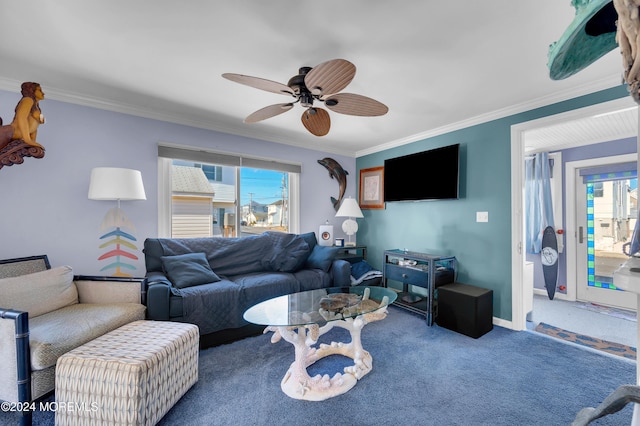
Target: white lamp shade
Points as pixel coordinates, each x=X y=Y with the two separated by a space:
x=111 y=183
x=349 y=208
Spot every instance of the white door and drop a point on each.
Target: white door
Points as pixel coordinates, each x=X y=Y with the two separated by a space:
x=606 y=212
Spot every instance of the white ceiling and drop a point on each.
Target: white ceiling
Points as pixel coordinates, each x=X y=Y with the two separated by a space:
x=437 y=65
x=620 y=122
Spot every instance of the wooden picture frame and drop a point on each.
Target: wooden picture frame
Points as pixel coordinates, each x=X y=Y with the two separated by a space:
x=371 y=194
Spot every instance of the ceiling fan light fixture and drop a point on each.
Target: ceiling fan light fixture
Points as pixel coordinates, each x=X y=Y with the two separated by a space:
x=306 y=100
x=323 y=83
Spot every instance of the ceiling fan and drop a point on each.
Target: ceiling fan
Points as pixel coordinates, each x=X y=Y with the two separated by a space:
x=320 y=83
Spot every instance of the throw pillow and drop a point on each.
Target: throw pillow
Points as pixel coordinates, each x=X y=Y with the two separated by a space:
x=310 y=238
x=286 y=253
x=187 y=270
x=40 y=292
x=321 y=257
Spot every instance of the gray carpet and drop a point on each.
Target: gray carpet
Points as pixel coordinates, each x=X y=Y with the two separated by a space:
x=422 y=376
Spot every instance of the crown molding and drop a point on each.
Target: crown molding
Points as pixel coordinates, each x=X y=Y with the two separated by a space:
x=605 y=83
x=103 y=104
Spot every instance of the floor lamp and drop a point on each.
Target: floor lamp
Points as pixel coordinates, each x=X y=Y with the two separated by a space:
x=349 y=208
x=116 y=184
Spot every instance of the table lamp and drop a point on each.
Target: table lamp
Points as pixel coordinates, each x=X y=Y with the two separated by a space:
x=110 y=183
x=349 y=208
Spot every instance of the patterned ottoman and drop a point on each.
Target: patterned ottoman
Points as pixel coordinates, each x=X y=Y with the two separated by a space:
x=130 y=376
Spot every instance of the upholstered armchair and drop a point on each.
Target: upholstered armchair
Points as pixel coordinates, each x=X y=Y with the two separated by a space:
x=45 y=312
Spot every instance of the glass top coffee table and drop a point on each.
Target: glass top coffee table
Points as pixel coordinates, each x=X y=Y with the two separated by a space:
x=301 y=318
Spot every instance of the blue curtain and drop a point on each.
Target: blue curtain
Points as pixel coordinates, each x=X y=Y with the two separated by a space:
x=538 y=205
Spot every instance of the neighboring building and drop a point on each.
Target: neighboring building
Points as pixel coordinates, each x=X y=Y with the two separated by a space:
x=191 y=203
x=614 y=214
x=278 y=214
x=224 y=207
x=256 y=215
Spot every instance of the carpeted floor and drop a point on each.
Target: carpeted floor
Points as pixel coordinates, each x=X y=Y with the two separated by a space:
x=588 y=341
x=421 y=376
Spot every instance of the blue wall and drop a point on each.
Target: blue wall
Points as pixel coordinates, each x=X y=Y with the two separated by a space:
x=449 y=227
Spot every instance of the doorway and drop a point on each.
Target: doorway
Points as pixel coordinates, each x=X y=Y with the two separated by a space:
x=520 y=147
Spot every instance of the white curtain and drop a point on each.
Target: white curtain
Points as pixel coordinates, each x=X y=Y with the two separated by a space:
x=538 y=205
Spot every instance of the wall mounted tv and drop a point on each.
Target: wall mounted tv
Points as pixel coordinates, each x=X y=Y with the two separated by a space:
x=426 y=175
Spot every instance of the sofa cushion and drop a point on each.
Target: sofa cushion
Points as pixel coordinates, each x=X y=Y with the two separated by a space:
x=310 y=238
x=321 y=257
x=186 y=270
x=258 y=287
x=57 y=332
x=312 y=279
x=286 y=252
x=227 y=256
x=212 y=307
x=40 y=292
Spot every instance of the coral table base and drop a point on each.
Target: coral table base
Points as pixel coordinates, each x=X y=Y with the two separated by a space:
x=297 y=383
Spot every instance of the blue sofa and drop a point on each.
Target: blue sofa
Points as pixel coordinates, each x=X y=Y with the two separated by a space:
x=210 y=282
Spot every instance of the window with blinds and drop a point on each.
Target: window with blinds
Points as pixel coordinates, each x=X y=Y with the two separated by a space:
x=212 y=194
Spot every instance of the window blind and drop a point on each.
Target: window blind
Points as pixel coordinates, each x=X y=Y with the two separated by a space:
x=223 y=159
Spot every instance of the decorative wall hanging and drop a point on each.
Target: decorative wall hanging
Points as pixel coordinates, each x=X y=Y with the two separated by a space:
x=372 y=188
x=338 y=173
x=598 y=27
x=18 y=138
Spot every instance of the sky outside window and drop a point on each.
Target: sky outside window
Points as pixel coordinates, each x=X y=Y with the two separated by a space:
x=262 y=186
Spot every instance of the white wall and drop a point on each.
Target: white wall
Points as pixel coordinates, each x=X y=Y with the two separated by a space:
x=43 y=202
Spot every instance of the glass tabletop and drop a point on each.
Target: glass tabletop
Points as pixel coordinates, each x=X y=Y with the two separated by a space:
x=319 y=306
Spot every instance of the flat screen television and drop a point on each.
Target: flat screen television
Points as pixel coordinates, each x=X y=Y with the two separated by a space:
x=426 y=175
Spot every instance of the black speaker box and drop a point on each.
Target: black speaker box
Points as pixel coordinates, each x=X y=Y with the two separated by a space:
x=465 y=309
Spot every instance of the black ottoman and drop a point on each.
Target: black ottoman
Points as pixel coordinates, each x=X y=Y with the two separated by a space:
x=465 y=309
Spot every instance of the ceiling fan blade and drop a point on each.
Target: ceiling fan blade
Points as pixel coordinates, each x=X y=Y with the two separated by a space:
x=330 y=77
x=260 y=83
x=352 y=104
x=316 y=121
x=268 y=112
